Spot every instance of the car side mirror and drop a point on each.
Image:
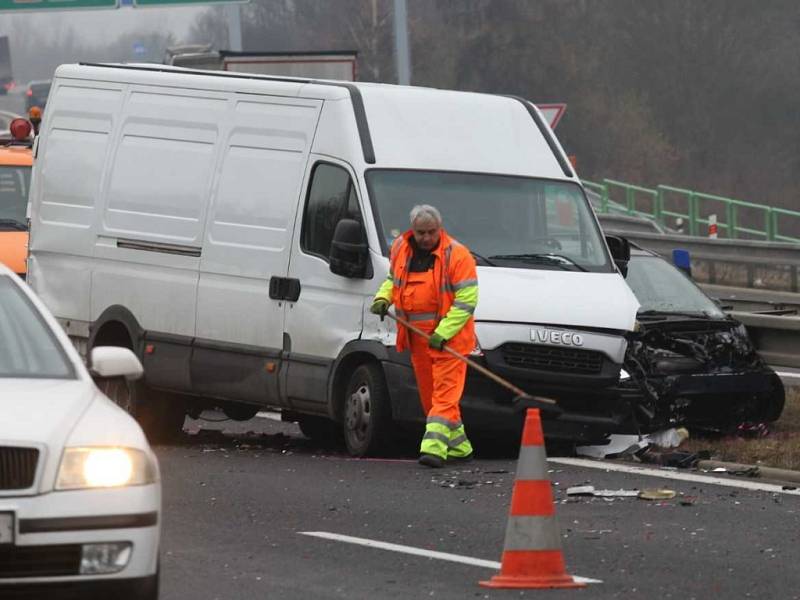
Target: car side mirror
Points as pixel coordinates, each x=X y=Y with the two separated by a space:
x=113 y=361
x=620 y=251
x=349 y=256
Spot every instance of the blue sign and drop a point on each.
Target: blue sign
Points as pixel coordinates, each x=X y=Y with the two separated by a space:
x=139 y=49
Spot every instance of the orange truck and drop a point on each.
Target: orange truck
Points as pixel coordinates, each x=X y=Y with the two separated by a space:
x=16 y=160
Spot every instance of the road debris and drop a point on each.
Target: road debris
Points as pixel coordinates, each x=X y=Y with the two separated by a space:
x=588 y=490
x=657 y=494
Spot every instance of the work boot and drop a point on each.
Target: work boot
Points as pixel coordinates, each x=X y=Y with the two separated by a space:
x=431 y=460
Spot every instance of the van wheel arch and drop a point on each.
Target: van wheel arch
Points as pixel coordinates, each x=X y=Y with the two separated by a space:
x=117 y=326
x=352 y=356
x=160 y=414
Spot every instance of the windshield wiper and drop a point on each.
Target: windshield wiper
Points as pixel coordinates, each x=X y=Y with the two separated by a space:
x=701 y=314
x=550 y=259
x=13 y=225
x=483 y=258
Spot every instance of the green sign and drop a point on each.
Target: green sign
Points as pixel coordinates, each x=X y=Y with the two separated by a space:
x=46 y=5
x=183 y=2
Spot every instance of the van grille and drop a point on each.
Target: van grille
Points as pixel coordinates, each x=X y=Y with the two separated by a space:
x=39 y=561
x=548 y=358
x=17 y=467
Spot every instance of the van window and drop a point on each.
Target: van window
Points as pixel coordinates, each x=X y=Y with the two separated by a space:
x=513 y=221
x=331 y=197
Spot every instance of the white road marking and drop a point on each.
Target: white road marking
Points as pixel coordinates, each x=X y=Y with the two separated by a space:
x=677 y=475
x=467 y=560
x=274 y=416
x=787 y=375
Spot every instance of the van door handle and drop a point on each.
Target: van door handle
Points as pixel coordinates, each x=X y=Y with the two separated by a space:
x=284 y=288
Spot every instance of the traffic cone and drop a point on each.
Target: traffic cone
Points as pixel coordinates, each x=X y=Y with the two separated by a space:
x=532 y=555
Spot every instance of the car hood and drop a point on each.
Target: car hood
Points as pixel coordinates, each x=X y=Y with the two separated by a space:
x=42 y=411
x=564 y=298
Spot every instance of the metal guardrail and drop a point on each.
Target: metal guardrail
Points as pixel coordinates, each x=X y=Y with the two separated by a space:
x=665 y=202
x=775 y=337
x=773 y=265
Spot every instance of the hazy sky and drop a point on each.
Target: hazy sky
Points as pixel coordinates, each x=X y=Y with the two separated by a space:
x=105 y=25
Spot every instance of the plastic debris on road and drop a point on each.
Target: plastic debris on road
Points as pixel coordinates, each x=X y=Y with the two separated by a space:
x=588 y=490
x=657 y=494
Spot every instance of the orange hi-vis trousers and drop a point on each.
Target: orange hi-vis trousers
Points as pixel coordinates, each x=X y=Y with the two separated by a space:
x=440 y=379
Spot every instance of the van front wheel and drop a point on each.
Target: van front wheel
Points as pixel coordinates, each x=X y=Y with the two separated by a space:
x=367 y=414
x=160 y=414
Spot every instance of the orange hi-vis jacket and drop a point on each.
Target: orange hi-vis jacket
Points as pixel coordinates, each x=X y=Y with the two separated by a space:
x=455 y=286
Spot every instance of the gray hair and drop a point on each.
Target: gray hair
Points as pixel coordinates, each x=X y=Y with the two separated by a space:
x=426 y=212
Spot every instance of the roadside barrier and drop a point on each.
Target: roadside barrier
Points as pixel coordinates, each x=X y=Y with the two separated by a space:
x=532 y=556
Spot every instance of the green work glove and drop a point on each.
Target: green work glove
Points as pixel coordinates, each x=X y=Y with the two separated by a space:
x=380 y=306
x=437 y=341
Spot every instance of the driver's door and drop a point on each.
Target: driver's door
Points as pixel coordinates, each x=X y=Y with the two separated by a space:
x=329 y=311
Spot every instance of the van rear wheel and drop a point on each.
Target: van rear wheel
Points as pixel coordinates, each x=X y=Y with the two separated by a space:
x=367 y=412
x=160 y=414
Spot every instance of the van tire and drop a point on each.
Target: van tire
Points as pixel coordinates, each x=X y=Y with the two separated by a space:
x=159 y=414
x=367 y=412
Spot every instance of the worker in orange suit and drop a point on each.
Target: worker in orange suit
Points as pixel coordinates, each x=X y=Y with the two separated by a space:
x=433 y=284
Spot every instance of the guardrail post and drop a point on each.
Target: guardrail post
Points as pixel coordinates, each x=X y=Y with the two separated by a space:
x=769 y=223
x=731 y=218
x=630 y=201
x=604 y=198
x=692 y=214
x=658 y=207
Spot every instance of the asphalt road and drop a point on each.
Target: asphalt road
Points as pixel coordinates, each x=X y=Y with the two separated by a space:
x=235 y=505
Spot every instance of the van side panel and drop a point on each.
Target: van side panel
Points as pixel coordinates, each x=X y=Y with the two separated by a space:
x=154 y=206
x=247 y=242
x=65 y=191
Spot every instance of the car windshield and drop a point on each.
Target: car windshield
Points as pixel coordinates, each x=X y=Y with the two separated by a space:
x=28 y=349
x=510 y=221
x=14 y=184
x=661 y=287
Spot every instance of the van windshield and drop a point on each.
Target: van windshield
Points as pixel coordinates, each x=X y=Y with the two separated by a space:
x=505 y=221
x=14 y=184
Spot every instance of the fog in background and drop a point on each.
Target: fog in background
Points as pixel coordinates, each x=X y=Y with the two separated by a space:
x=41 y=41
x=695 y=94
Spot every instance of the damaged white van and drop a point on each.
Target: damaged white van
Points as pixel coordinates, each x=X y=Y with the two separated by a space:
x=232 y=229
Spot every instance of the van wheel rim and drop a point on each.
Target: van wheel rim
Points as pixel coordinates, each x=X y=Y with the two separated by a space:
x=357 y=413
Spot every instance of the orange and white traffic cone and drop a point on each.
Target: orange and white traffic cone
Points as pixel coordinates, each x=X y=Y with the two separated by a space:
x=532 y=555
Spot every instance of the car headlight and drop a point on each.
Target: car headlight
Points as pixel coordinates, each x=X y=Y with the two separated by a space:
x=102 y=467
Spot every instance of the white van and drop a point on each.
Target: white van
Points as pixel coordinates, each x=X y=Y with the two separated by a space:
x=232 y=230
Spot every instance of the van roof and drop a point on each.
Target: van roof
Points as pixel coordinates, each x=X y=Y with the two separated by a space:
x=405 y=126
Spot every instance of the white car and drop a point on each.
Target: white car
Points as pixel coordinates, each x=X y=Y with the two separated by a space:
x=80 y=492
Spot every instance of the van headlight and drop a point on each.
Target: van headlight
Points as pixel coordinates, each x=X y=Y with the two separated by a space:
x=104 y=467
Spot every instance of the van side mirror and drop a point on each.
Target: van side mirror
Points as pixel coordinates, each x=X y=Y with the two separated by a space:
x=349 y=255
x=620 y=251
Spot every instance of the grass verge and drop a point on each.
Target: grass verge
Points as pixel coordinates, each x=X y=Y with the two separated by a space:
x=780 y=449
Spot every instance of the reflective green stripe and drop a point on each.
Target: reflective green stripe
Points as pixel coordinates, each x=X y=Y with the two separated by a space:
x=434 y=447
x=439 y=428
x=463 y=284
x=446 y=422
x=532 y=533
x=435 y=435
x=460 y=451
x=463 y=306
